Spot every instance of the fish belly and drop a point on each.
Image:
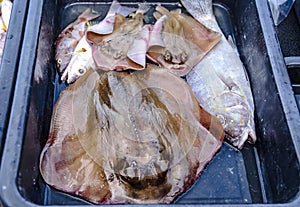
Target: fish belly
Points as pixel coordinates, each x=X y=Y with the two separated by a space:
x=221 y=86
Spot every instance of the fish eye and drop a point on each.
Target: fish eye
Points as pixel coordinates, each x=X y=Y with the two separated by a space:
x=222 y=119
x=168 y=56
x=59 y=61
x=183 y=57
x=81 y=71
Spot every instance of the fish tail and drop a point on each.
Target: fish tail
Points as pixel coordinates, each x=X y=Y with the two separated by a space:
x=143 y=8
x=248 y=134
x=199 y=9
x=157 y=15
x=88 y=15
x=162 y=10
x=117 y=8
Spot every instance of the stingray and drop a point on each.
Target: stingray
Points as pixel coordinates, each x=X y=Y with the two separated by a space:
x=120 y=42
x=128 y=137
x=178 y=42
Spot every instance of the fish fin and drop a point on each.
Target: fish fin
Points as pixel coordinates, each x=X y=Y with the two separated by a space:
x=88 y=24
x=157 y=15
x=162 y=10
x=229 y=82
x=232 y=43
x=4 y=28
x=104 y=27
x=138 y=48
x=248 y=134
x=143 y=8
x=117 y=8
x=176 y=11
x=155 y=37
x=107 y=25
x=88 y=15
x=199 y=9
x=64 y=76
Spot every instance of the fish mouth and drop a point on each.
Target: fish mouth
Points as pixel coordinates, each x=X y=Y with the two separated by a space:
x=238 y=142
x=145 y=182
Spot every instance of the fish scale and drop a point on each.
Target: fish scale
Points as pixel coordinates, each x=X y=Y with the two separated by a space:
x=68 y=39
x=219 y=81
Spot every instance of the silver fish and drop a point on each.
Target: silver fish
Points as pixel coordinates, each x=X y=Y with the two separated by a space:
x=80 y=62
x=220 y=82
x=69 y=38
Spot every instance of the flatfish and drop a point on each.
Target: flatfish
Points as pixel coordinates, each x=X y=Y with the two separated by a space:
x=125 y=47
x=128 y=137
x=178 y=42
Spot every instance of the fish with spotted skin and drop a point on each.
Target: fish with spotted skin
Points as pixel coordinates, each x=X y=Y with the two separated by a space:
x=69 y=38
x=220 y=82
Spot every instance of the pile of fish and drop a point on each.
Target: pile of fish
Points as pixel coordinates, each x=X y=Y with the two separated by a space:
x=129 y=128
x=6 y=7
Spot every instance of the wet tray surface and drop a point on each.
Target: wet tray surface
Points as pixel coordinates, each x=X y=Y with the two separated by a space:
x=265 y=173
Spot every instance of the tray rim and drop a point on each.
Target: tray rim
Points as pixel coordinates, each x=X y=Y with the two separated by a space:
x=9 y=193
x=9 y=63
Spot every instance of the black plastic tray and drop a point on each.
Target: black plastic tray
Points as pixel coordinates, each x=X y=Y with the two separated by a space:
x=9 y=63
x=266 y=174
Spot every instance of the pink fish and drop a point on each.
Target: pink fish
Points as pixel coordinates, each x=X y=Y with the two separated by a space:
x=125 y=48
x=106 y=26
x=69 y=37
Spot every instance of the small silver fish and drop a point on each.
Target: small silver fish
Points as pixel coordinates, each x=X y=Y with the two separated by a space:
x=80 y=62
x=220 y=82
x=69 y=38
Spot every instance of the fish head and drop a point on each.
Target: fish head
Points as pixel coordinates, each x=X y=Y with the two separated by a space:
x=176 y=57
x=75 y=73
x=179 y=42
x=62 y=63
x=233 y=112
